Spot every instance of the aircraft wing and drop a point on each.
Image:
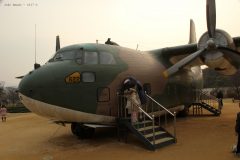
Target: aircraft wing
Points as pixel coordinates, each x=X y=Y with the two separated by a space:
x=171 y=55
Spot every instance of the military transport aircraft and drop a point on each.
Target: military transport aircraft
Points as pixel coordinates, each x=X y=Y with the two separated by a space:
x=79 y=84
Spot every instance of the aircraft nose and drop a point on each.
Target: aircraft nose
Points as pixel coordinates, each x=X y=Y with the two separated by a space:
x=34 y=82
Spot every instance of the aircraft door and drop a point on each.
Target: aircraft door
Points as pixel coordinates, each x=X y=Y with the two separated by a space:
x=103 y=101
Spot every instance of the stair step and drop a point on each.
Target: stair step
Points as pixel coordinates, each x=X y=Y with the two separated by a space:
x=162 y=140
x=156 y=134
x=146 y=128
x=142 y=123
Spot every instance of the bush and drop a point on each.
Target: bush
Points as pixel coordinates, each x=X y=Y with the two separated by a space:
x=18 y=108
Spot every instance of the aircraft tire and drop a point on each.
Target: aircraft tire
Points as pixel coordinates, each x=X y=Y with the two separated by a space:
x=184 y=112
x=82 y=131
x=77 y=129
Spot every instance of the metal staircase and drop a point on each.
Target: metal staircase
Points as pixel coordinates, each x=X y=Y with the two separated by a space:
x=150 y=131
x=204 y=105
x=207 y=102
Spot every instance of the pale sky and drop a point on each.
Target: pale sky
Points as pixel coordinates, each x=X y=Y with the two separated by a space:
x=150 y=23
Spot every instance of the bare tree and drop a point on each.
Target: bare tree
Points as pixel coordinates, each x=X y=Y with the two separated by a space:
x=12 y=95
x=2 y=92
x=1 y=87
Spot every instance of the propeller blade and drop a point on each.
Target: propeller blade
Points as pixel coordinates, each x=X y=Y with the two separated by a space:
x=57 y=43
x=232 y=55
x=211 y=17
x=170 y=71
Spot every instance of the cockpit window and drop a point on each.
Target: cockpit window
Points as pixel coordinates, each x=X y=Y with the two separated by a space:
x=65 y=55
x=106 y=58
x=82 y=56
x=79 y=57
x=90 y=57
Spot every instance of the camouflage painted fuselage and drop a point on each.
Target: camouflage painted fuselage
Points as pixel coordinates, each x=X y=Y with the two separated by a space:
x=92 y=88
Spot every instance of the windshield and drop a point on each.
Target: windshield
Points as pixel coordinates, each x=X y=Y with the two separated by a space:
x=65 y=55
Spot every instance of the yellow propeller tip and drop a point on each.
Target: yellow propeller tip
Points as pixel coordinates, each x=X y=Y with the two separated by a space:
x=165 y=74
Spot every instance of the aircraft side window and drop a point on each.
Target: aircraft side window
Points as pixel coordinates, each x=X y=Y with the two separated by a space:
x=106 y=58
x=88 y=77
x=90 y=57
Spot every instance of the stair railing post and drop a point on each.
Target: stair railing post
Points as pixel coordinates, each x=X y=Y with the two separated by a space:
x=122 y=108
x=118 y=103
x=144 y=118
x=193 y=108
x=175 y=134
x=152 y=107
x=159 y=119
x=125 y=111
x=153 y=125
x=165 y=119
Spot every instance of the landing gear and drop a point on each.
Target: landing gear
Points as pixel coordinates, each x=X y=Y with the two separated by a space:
x=184 y=112
x=82 y=131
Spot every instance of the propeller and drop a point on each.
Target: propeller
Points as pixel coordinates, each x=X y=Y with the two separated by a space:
x=213 y=45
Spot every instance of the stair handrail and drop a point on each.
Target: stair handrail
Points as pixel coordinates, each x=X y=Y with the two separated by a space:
x=208 y=95
x=140 y=108
x=144 y=112
x=160 y=105
x=149 y=116
x=208 y=99
x=173 y=114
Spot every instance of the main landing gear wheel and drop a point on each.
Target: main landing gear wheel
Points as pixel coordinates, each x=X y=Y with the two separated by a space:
x=184 y=112
x=82 y=131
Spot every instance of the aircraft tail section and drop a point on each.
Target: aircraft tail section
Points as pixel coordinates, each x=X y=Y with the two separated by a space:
x=192 y=36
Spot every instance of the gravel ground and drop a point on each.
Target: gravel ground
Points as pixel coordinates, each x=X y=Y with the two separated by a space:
x=28 y=136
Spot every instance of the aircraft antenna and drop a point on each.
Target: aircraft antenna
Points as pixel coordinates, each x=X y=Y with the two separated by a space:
x=36 y=65
x=137 y=47
x=35 y=44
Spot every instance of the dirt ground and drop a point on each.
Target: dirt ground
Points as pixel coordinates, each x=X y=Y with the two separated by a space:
x=28 y=136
